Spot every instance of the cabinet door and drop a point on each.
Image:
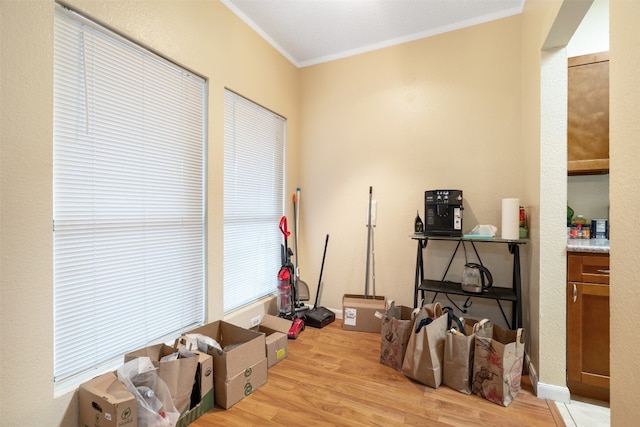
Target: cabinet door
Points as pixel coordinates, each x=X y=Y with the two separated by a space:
x=588 y=114
x=588 y=339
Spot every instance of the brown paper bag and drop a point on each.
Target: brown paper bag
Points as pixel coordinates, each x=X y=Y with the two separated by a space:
x=179 y=375
x=394 y=335
x=459 y=351
x=425 y=349
x=497 y=365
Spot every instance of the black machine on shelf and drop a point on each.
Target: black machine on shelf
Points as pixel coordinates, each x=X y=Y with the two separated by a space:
x=443 y=213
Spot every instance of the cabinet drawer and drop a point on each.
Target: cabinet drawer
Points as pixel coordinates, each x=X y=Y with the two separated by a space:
x=588 y=268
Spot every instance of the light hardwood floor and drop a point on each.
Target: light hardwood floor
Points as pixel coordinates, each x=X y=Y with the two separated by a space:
x=333 y=377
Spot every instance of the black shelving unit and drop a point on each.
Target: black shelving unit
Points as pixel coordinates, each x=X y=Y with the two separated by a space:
x=498 y=294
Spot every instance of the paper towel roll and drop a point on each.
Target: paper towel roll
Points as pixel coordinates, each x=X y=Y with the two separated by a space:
x=510 y=219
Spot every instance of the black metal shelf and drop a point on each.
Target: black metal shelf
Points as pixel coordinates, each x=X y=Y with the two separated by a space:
x=512 y=294
x=454 y=288
x=468 y=238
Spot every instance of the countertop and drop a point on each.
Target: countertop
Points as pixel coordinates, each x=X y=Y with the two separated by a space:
x=588 y=245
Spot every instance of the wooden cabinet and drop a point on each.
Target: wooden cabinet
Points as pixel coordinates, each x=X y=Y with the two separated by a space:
x=588 y=325
x=588 y=114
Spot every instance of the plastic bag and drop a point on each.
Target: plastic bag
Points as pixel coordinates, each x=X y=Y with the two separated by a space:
x=485 y=230
x=155 y=407
x=203 y=342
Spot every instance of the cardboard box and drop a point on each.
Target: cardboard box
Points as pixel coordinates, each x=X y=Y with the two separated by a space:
x=233 y=390
x=205 y=405
x=275 y=329
x=364 y=314
x=178 y=374
x=107 y=402
x=243 y=349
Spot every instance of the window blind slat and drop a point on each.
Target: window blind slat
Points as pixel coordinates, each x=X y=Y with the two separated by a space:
x=128 y=197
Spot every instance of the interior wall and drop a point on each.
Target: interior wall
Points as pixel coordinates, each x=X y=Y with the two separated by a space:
x=624 y=107
x=551 y=312
x=203 y=35
x=438 y=113
x=544 y=175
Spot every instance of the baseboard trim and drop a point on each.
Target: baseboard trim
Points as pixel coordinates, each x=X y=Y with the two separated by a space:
x=546 y=391
x=553 y=392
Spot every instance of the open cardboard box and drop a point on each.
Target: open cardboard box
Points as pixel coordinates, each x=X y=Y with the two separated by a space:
x=240 y=368
x=106 y=401
x=275 y=329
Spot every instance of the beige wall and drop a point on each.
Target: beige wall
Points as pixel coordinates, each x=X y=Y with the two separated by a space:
x=441 y=112
x=624 y=104
x=204 y=36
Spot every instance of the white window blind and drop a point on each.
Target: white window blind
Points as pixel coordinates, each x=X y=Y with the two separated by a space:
x=129 y=248
x=254 y=146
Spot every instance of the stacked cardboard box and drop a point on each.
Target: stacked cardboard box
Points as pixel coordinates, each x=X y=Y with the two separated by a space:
x=240 y=366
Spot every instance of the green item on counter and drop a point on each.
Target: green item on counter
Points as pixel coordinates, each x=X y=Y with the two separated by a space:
x=569 y=215
x=524 y=232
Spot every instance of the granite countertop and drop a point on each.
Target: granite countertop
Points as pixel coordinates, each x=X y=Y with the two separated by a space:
x=588 y=245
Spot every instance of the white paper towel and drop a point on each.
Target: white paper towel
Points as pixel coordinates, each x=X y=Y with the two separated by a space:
x=511 y=219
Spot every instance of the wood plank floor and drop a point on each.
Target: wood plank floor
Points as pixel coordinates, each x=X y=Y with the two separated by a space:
x=333 y=377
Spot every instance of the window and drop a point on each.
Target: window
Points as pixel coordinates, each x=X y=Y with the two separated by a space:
x=128 y=197
x=254 y=143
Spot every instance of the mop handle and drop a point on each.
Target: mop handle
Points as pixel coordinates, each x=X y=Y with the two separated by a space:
x=373 y=264
x=295 y=241
x=366 y=280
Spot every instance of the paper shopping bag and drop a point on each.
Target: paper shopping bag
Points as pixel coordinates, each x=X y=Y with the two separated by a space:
x=178 y=372
x=497 y=365
x=459 y=352
x=425 y=350
x=394 y=335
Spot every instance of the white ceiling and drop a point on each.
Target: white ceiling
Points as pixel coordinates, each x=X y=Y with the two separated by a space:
x=309 y=32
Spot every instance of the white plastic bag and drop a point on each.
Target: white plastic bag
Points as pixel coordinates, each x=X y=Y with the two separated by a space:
x=155 y=407
x=486 y=230
x=201 y=342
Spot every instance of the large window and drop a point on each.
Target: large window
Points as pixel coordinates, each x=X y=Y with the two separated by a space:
x=254 y=144
x=128 y=196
